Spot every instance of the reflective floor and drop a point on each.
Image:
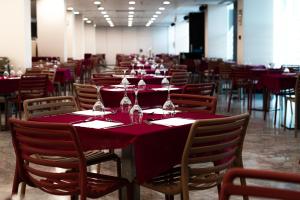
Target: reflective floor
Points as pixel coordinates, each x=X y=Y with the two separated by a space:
x=266 y=147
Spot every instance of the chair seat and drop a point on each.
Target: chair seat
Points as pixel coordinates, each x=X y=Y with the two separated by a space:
x=99 y=185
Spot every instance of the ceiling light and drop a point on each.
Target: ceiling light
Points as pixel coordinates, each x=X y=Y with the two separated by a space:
x=131 y=12
x=166 y=2
x=104 y=12
x=158 y=12
x=107 y=19
x=100 y=8
x=97 y=2
x=153 y=19
x=131 y=8
x=106 y=16
x=70 y=8
x=85 y=19
x=76 y=13
x=95 y=25
x=161 y=8
x=131 y=2
x=130 y=15
x=88 y=21
x=155 y=16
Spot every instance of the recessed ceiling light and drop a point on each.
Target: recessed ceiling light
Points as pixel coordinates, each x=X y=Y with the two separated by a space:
x=100 y=8
x=131 y=2
x=161 y=8
x=130 y=15
x=97 y=2
x=158 y=12
x=88 y=21
x=70 y=8
x=155 y=16
x=166 y=2
x=85 y=19
x=76 y=13
x=95 y=25
x=104 y=12
x=106 y=16
x=131 y=8
x=108 y=19
x=153 y=19
x=131 y=12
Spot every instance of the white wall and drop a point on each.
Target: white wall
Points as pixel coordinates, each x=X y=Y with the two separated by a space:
x=112 y=41
x=90 y=38
x=258 y=31
x=70 y=29
x=79 y=37
x=15 y=34
x=51 y=28
x=179 y=36
x=217 y=31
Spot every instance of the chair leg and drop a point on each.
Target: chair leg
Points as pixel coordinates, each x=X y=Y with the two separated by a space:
x=118 y=163
x=129 y=192
x=276 y=102
x=229 y=100
x=285 y=112
x=23 y=189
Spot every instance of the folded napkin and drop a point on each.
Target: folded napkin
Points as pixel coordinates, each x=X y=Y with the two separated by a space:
x=158 y=111
x=91 y=113
x=164 y=89
x=175 y=121
x=97 y=124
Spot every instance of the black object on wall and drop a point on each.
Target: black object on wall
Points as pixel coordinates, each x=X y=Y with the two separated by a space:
x=197 y=32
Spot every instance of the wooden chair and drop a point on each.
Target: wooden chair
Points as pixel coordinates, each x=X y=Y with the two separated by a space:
x=49 y=106
x=66 y=104
x=296 y=100
x=31 y=87
x=229 y=188
x=200 y=89
x=126 y=64
x=39 y=147
x=179 y=78
x=212 y=147
x=33 y=71
x=86 y=95
x=194 y=103
x=106 y=81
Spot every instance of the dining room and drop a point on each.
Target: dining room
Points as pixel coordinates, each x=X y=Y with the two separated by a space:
x=149 y=99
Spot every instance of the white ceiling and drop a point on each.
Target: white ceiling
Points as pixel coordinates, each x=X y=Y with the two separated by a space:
x=144 y=10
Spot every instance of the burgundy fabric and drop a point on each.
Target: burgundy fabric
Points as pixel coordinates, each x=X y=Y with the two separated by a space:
x=276 y=82
x=9 y=85
x=146 y=98
x=63 y=75
x=157 y=148
x=149 y=79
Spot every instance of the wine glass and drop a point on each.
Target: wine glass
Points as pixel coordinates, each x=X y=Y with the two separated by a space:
x=5 y=74
x=168 y=107
x=132 y=72
x=136 y=112
x=165 y=82
x=125 y=80
x=157 y=72
x=98 y=106
x=125 y=103
x=141 y=83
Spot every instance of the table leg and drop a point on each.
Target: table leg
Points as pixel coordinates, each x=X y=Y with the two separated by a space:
x=128 y=171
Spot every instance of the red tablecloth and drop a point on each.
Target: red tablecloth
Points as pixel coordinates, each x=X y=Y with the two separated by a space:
x=8 y=85
x=149 y=79
x=63 y=75
x=276 y=82
x=146 y=98
x=157 y=148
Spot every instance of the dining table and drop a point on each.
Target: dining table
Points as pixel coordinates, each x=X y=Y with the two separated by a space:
x=150 y=95
x=148 y=148
x=148 y=78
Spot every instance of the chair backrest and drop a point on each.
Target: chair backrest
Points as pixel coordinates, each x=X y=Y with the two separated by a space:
x=120 y=70
x=201 y=89
x=33 y=86
x=39 y=149
x=213 y=146
x=225 y=70
x=50 y=73
x=179 y=78
x=49 y=106
x=106 y=81
x=126 y=64
x=86 y=95
x=194 y=103
x=33 y=71
x=229 y=188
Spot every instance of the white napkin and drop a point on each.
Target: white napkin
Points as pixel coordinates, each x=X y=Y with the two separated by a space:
x=164 y=89
x=122 y=76
x=98 y=124
x=91 y=113
x=122 y=86
x=158 y=111
x=175 y=121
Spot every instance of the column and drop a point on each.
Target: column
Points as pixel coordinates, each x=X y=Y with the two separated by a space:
x=90 y=38
x=51 y=28
x=79 y=37
x=15 y=34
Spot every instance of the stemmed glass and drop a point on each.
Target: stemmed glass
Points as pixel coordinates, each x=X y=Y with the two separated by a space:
x=141 y=83
x=157 y=71
x=125 y=80
x=132 y=72
x=168 y=107
x=98 y=106
x=136 y=112
x=165 y=82
x=125 y=103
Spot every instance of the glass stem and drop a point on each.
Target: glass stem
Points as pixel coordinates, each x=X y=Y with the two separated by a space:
x=136 y=99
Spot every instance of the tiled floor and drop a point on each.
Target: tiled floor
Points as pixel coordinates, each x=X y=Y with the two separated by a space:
x=266 y=147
